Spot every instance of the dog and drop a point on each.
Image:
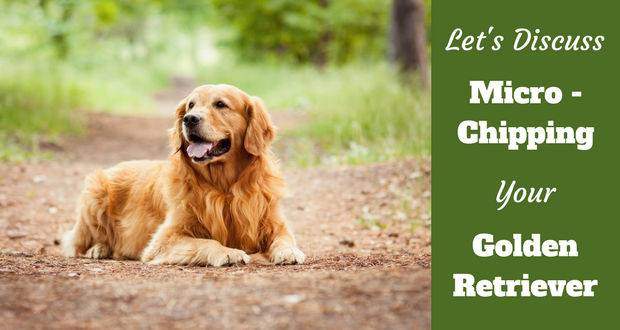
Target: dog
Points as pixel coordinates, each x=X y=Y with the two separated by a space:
x=212 y=203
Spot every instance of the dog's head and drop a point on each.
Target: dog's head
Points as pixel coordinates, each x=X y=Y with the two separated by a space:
x=215 y=123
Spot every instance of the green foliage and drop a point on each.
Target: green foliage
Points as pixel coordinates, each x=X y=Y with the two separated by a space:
x=427 y=19
x=57 y=59
x=62 y=56
x=106 y=11
x=319 y=31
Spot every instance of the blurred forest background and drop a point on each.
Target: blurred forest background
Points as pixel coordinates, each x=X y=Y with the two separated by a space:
x=356 y=69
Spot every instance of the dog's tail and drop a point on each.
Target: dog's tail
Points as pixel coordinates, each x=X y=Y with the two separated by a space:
x=92 y=225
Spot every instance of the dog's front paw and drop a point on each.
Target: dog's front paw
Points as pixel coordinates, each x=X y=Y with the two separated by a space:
x=98 y=251
x=228 y=256
x=287 y=255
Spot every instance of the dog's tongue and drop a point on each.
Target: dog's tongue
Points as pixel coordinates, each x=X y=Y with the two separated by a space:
x=199 y=149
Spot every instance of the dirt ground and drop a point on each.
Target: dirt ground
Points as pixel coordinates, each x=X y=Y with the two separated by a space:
x=365 y=230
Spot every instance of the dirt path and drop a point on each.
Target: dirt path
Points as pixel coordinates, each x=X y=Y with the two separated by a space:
x=368 y=262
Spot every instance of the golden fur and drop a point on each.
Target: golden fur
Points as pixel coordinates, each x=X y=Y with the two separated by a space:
x=184 y=211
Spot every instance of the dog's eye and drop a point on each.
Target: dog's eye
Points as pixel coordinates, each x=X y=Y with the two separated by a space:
x=190 y=105
x=220 y=104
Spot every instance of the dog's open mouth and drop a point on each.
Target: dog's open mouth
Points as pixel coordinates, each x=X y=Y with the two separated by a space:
x=200 y=149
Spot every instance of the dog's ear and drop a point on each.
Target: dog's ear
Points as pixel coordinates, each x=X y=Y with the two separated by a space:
x=260 y=131
x=175 y=134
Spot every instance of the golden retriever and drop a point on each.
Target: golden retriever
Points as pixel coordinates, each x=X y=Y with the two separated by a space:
x=213 y=202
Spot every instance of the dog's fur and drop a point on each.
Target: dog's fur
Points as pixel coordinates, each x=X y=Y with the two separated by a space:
x=189 y=212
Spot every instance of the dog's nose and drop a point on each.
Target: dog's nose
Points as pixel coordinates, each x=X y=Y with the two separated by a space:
x=191 y=120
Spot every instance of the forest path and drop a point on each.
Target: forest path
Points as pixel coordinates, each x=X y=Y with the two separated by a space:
x=368 y=265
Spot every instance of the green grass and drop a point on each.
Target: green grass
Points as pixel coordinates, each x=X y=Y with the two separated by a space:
x=358 y=113
x=35 y=102
x=112 y=92
x=46 y=101
x=38 y=100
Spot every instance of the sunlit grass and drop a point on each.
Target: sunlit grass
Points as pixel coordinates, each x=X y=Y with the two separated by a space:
x=38 y=100
x=35 y=102
x=44 y=101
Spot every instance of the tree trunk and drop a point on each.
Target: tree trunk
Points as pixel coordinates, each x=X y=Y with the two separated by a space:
x=59 y=35
x=320 y=56
x=408 y=37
